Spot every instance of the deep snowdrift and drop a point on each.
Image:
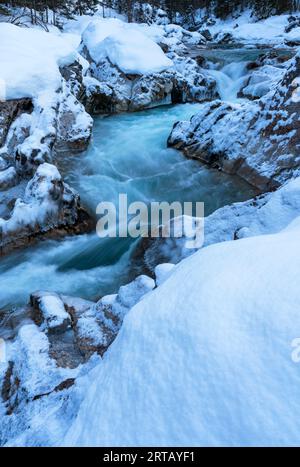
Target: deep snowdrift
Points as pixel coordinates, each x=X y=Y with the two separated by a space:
x=206 y=358
x=125 y=46
x=30 y=59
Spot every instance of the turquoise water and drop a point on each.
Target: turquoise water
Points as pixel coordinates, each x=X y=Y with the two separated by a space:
x=128 y=155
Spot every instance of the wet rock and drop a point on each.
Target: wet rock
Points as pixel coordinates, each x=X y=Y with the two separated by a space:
x=294 y=22
x=9 y=111
x=173 y=242
x=8 y=178
x=206 y=34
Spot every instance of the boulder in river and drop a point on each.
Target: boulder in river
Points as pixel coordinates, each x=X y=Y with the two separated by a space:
x=109 y=90
x=47 y=208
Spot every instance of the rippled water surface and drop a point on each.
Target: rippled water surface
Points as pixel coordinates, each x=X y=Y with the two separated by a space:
x=128 y=155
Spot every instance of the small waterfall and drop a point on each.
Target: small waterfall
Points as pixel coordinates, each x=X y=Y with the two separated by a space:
x=230 y=79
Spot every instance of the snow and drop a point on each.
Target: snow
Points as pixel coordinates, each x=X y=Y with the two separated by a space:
x=162 y=272
x=125 y=46
x=293 y=35
x=37 y=206
x=205 y=359
x=30 y=59
x=36 y=371
x=7 y=177
x=53 y=311
x=267 y=31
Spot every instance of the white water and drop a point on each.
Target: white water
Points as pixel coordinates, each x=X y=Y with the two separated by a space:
x=230 y=79
x=128 y=155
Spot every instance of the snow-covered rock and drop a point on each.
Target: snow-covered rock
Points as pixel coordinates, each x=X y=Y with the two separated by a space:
x=47 y=207
x=8 y=178
x=49 y=312
x=112 y=91
x=162 y=272
x=40 y=117
x=32 y=373
x=28 y=70
x=129 y=70
x=98 y=327
x=258 y=141
x=132 y=53
x=261 y=82
x=264 y=214
x=245 y=29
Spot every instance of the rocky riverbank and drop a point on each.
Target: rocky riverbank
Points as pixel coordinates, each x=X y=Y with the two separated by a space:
x=257 y=140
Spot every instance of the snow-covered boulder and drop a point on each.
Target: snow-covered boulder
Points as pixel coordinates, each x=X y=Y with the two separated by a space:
x=163 y=272
x=224 y=38
x=293 y=22
x=49 y=312
x=258 y=141
x=112 y=91
x=292 y=39
x=97 y=328
x=174 y=31
x=44 y=79
x=8 y=178
x=40 y=116
x=31 y=373
x=261 y=82
x=129 y=70
x=47 y=207
x=128 y=49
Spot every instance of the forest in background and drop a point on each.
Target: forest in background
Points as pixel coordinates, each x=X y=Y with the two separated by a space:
x=142 y=11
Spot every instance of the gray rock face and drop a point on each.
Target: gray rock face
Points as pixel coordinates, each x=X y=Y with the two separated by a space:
x=9 y=111
x=258 y=141
x=294 y=22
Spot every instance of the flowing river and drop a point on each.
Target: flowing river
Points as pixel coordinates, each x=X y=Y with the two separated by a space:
x=128 y=155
